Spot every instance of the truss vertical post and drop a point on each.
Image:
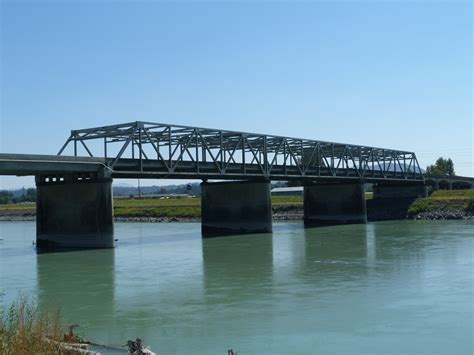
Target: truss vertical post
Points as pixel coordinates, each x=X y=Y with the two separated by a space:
x=169 y=147
x=243 y=154
x=332 y=160
x=265 y=156
x=140 y=147
x=197 y=151
x=222 y=151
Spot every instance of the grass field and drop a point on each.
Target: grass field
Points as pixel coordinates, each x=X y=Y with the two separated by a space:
x=179 y=207
x=171 y=207
x=18 y=209
x=442 y=200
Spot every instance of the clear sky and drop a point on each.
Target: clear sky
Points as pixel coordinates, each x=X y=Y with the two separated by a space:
x=395 y=74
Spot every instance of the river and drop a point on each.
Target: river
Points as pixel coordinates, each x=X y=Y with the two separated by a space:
x=403 y=287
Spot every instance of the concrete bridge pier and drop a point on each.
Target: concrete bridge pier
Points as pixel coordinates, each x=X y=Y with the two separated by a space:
x=236 y=207
x=391 y=200
x=397 y=191
x=74 y=211
x=334 y=203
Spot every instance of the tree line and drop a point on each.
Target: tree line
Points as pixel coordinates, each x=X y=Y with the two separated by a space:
x=26 y=195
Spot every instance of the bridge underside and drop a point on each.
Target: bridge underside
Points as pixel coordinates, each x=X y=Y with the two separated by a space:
x=53 y=165
x=76 y=211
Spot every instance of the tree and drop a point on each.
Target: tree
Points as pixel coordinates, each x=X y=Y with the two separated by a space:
x=30 y=195
x=441 y=167
x=5 y=197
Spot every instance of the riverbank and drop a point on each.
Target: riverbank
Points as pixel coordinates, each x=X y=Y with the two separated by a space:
x=291 y=212
x=444 y=205
x=187 y=209
x=441 y=205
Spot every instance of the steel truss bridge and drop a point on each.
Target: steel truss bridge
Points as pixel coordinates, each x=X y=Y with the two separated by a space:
x=155 y=150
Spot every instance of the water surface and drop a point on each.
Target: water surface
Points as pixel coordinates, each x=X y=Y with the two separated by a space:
x=402 y=287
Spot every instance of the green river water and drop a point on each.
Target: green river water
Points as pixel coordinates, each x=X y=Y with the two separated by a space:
x=403 y=287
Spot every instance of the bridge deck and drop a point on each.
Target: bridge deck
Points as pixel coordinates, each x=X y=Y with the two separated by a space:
x=35 y=164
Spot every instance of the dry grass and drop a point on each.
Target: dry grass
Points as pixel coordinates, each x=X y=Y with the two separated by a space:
x=181 y=207
x=24 y=330
x=18 y=209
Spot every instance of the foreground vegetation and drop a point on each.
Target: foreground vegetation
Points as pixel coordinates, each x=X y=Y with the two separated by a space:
x=24 y=330
x=444 y=201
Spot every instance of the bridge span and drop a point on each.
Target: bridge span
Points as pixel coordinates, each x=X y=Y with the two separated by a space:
x=74 y=203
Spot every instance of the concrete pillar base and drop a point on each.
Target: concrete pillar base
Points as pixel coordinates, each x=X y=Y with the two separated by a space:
x=391 y=201
x=235 y=208
x=332 y=204
x=74 y=213
x=381 y=191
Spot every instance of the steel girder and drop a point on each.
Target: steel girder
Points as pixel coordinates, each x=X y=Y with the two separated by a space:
x=145 y=149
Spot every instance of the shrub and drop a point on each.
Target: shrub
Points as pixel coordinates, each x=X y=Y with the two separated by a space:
x=470 y=205
x=24 y=330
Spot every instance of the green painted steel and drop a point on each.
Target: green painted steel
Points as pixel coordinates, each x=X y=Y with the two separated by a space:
x=145 y=149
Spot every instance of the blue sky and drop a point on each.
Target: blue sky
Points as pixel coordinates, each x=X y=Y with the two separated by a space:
x=395 y=74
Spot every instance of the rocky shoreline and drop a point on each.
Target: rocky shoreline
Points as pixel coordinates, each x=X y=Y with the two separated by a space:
x=16 y=218
x=134 y=219
x=443 y=215
x=280 y=216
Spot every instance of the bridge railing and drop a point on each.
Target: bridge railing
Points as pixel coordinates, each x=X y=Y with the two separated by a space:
x=173 y=150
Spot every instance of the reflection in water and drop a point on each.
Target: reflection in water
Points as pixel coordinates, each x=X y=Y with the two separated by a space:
x=403 y=287
x=237 y=267
x=335 y=254
x=159 y=283
x=238 y=291
x=371 y=246
x=289 y=253
x=82 y=284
